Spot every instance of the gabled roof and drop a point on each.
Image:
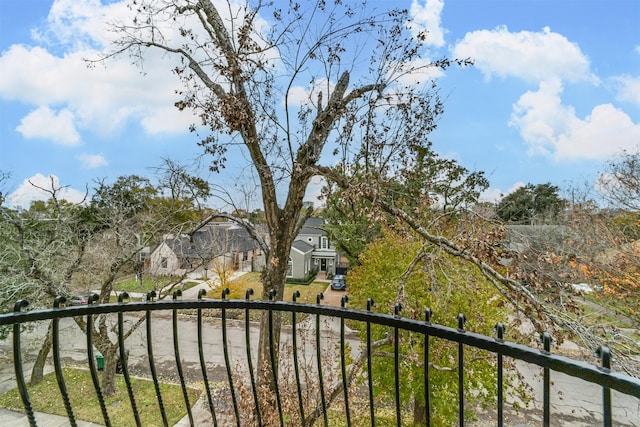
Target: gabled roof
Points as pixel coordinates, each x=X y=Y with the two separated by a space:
x=212 y=242
x=520 y=238
x=313 y=226
x=302 y=246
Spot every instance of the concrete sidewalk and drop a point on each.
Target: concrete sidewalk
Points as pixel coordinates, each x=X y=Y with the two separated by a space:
x=191 y=293
x=18 y=419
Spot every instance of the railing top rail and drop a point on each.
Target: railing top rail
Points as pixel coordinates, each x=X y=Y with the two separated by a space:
x=598 y=375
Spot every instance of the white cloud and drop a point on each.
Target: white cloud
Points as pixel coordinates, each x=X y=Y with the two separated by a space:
x=31 y=190
x=494 y=195
x=604 y=133
x=301 y=96
x=92 y=161
x=530 y=56
x=101 y=99
x=553 y=129
x=628 y=89
x=79 y=24
x=167 y=119
x=314 y=191
x=47 y=124
x=426 y=17
x=298 y=95
x=419 y=71
x=33 y=75
x=548 y=126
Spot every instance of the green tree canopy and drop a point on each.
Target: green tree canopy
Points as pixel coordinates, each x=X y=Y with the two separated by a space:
x=531 y=203
x=399 y=268
x=430 y=187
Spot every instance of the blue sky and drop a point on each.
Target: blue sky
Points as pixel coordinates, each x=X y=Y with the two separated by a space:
x=553 y=95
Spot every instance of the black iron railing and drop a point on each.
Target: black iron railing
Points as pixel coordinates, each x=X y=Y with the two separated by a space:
x=601 y=376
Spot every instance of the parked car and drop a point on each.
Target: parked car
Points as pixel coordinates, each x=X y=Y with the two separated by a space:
x=80 y=299
x=338 y=283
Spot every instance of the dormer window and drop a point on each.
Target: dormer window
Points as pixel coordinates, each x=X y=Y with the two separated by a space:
x=324 y=243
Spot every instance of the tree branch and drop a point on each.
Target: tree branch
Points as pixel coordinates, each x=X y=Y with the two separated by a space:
x=338 y=389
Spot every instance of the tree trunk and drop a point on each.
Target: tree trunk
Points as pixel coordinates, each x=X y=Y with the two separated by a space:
x=419 y=413
x=108 y=385
x=273 y=279
x=37 y=372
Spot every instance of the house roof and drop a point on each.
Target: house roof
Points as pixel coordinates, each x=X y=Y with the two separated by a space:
x=313 y=226
x=522 y=237
x=302 y=246
x=212 y=242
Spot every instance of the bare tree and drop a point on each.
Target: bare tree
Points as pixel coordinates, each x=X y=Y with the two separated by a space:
x=4 y=177
x=130 y=215
x=620 y=183
x=242 y=67
x=56 y=248
x=41 y=249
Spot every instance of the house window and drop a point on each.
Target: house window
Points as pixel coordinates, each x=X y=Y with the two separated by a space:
x=290 y=268
x=324 y=243
x=163 y=262
x=245 y=256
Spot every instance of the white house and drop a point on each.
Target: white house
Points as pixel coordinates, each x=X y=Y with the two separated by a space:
x=312 y=250
x=215 y=245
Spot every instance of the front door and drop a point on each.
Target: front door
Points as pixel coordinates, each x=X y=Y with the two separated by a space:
x=323 y=264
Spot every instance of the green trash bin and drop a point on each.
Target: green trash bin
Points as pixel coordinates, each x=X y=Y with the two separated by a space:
x=100 y=361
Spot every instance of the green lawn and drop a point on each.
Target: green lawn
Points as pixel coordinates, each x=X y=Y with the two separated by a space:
x=239 y=286
x=45 y=397
x=148 y=284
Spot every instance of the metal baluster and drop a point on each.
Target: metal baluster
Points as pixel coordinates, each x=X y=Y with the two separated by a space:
x=272 y=354
x=546 y=342
x=427 y=375
x=17 y=364
x=343 y=363
x=57 y=365
x=247 y=328
x=320 y=297
x=152 y=364
x=203 y=365
x=396 y=363
x=500 y=331
x=176 y=351
x=123 y=359
x=604 y=354
x=92 y=364
x=370 y=303
x=461 y=321
x=225 y=349
x=294 y=337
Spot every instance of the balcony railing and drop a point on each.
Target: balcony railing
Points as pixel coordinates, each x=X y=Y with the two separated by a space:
x=321 y=337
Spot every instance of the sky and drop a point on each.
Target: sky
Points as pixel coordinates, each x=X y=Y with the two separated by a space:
x=553 y=95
